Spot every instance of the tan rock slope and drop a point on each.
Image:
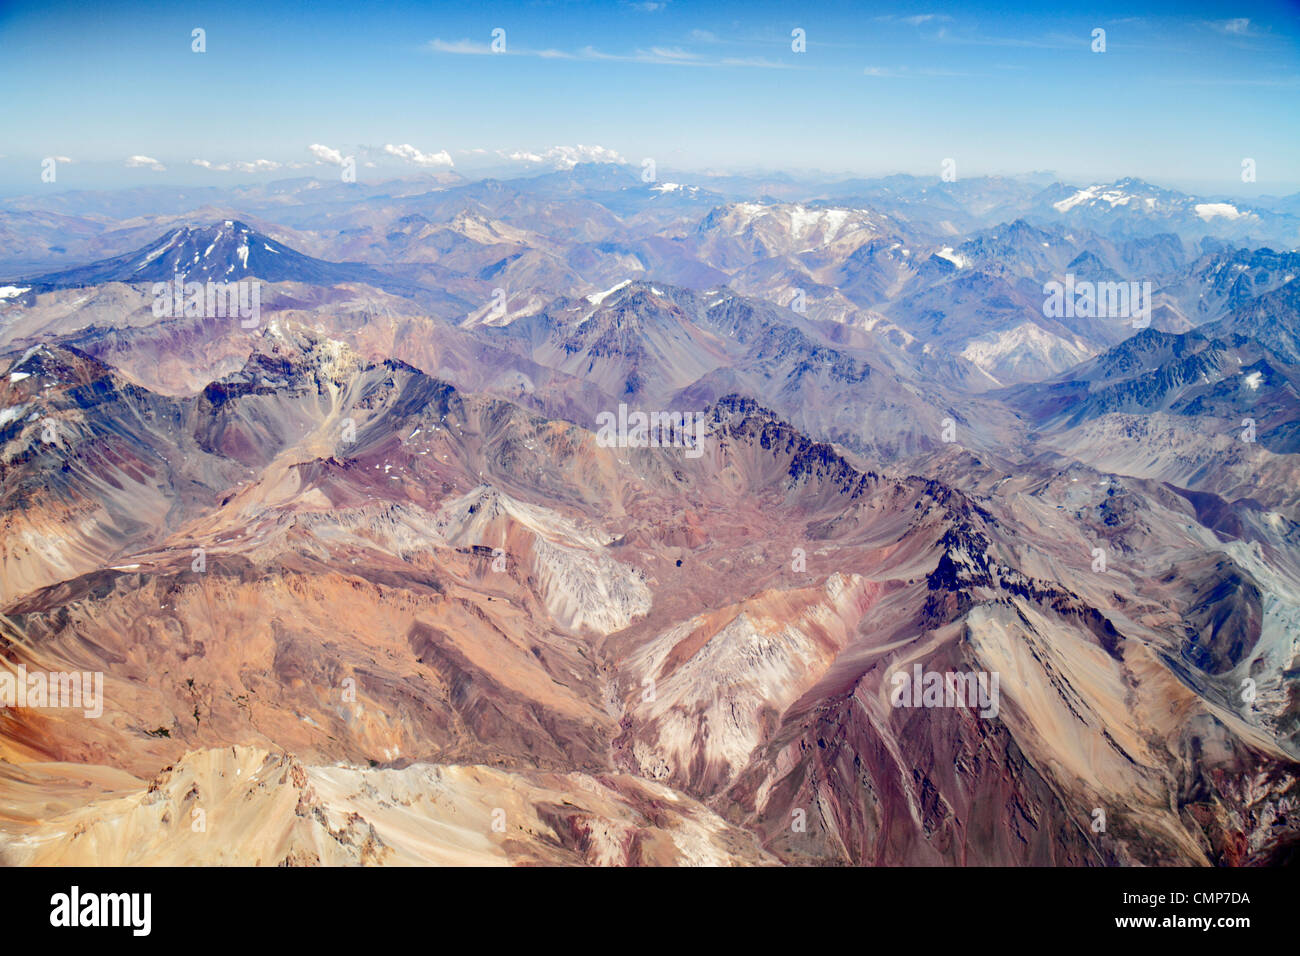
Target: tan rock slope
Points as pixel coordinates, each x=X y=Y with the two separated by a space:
x=242 y=806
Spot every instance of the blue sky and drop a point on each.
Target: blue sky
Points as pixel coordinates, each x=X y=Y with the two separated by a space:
x=1181 y=95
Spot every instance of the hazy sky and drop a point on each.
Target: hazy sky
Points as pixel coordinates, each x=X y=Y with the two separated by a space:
x=1182 y=93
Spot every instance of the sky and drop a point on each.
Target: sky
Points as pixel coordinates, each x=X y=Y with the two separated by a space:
x=1181 y=95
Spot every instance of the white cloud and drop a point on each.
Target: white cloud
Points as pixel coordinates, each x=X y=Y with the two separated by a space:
x=256 y=166
x=412 y=155
x=566 y=157
x=325 y=154
x=1209 y=210
x=138 y=162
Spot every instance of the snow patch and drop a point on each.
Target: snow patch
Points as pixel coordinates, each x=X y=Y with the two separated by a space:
x=956 y=258
x=596 y=298
x=1094 y=194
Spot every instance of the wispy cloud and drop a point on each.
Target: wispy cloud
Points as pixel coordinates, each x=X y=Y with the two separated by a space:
x=1237 y=27
x=759 y=62
x=906 y=73
x=1050 y=41
x=662 y=55
x=678 y=57
x=673 y=53
x=461 y=47
x=915 y=20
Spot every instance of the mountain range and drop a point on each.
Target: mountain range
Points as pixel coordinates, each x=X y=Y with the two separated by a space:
x=367 y=584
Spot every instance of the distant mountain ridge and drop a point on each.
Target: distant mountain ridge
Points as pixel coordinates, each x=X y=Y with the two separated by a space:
x=225 y=251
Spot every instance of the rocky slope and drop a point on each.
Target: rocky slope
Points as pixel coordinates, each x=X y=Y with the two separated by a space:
x=380 y=571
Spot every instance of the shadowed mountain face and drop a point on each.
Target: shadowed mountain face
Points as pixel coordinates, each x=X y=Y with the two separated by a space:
x=938 y=579
x=1239 y=373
